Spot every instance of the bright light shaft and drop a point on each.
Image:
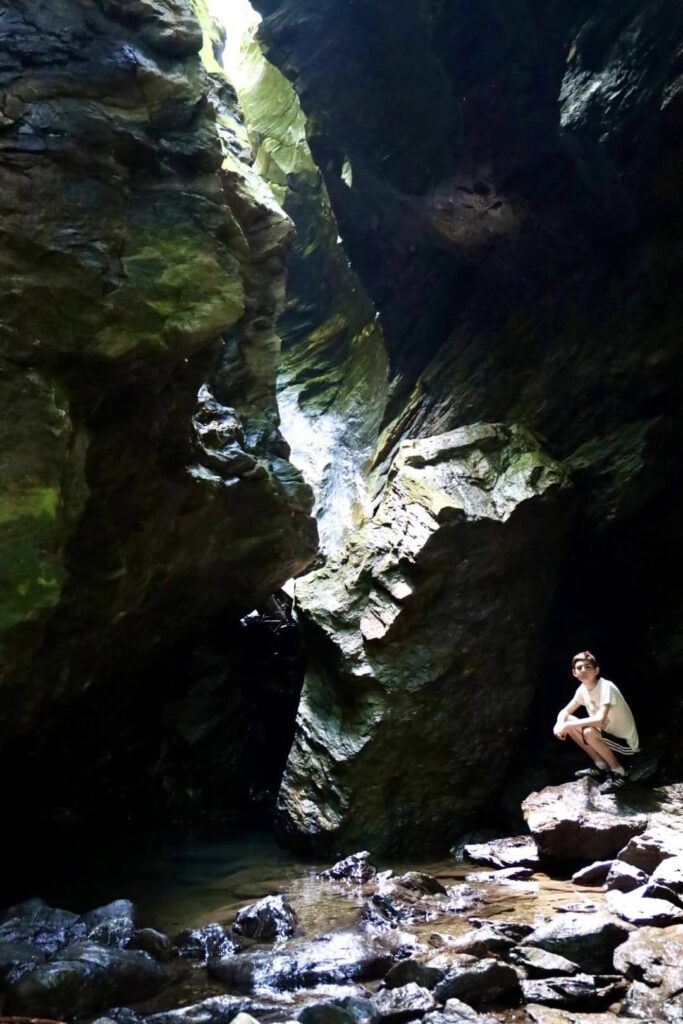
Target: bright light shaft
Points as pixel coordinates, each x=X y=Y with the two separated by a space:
x=240 y=21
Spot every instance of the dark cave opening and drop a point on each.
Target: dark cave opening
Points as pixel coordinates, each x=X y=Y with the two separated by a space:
x=196 y=734
x=616 y=596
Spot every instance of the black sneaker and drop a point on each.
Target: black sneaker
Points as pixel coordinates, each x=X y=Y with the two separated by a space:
x=592 y=773
x=613 y=782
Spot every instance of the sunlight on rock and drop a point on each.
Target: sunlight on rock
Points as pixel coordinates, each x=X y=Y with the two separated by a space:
x=323 y=448
x=241 y=22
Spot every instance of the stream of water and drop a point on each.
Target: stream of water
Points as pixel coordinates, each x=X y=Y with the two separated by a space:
x=186 y=879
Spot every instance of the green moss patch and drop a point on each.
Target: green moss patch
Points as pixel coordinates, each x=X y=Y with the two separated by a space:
x=30 y=567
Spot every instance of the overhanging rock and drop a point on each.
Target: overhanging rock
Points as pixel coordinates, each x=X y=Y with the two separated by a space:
x=422 y=637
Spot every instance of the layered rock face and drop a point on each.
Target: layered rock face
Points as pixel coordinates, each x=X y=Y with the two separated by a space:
x=504 y=180
x=412 y=701
x=146 y=486
x=332 y=378
x=505 y=183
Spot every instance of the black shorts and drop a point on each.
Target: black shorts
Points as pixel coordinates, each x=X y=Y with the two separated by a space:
x=618 y=744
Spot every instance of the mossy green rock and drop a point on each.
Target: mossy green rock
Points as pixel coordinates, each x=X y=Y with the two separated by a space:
x=332 y=375
x=422 y=638
x=144 y=485
x=507 y=185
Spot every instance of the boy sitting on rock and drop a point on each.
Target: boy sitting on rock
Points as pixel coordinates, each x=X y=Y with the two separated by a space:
x=609 y=728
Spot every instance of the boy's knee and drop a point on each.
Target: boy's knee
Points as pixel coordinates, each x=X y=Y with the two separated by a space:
x=590 y=733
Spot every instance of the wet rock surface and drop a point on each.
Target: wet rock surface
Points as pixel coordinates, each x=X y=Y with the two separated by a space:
x=447 y=953
x=653 y=958
x=521 y=851
x=266 y=920
x=374 y=756
x=501 y=876
x=415 y=897
x=637 y=907
x=483 y=983
x=588 y=940
x=209 y=942
x=580 y=992
x=539 y=963
x=146 y=488
x=552 y=131
x=575 y=821
x=83 y=979
x=335 y=959
x=356 y=868
x=404 y=1002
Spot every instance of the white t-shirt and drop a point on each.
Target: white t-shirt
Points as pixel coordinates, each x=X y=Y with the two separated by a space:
x=619 y=721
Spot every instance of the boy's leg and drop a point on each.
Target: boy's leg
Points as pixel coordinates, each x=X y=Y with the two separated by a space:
x=593 y=738
x=576 y=731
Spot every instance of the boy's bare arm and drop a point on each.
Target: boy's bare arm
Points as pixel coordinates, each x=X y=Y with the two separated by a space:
x=596 y=720
x=599 y=719
x=562 y=717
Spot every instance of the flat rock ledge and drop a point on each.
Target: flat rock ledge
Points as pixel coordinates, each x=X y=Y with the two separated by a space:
x=575 y=822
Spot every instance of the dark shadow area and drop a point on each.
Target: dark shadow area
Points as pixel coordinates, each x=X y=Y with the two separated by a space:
x=200 y=735
x=618 y=596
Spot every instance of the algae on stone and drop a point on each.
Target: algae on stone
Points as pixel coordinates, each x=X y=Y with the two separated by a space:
x=131 y=260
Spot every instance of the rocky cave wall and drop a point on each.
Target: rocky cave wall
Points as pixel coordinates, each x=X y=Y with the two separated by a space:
x=482 y=314
x=332 y=376
x=506 y=181
x=146 y=489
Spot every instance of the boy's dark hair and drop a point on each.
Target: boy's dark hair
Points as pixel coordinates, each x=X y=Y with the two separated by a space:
x=585 y=656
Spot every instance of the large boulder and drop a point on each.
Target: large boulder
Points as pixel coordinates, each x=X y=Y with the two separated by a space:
x=486 y=982
x=577 y=822
x=145 y=484
x=518 y=851
x=357 y=868
x=419 y=626
x=409 y=970
x=663 y=838
x=333 y=959
x=588 y=940
x=581 y=992
x=45 y=929
x=669 y=873
x=153 y=942
x=111 y=925
x=210 y=942
x=539 y=963
x=404 y=1003
x=638 y=908
x=593 y=874
x=84 y=979
x=269 y=919
x=624 y=877
x=653 y=959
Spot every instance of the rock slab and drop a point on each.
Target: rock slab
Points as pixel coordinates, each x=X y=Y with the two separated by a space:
x=452 y=549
